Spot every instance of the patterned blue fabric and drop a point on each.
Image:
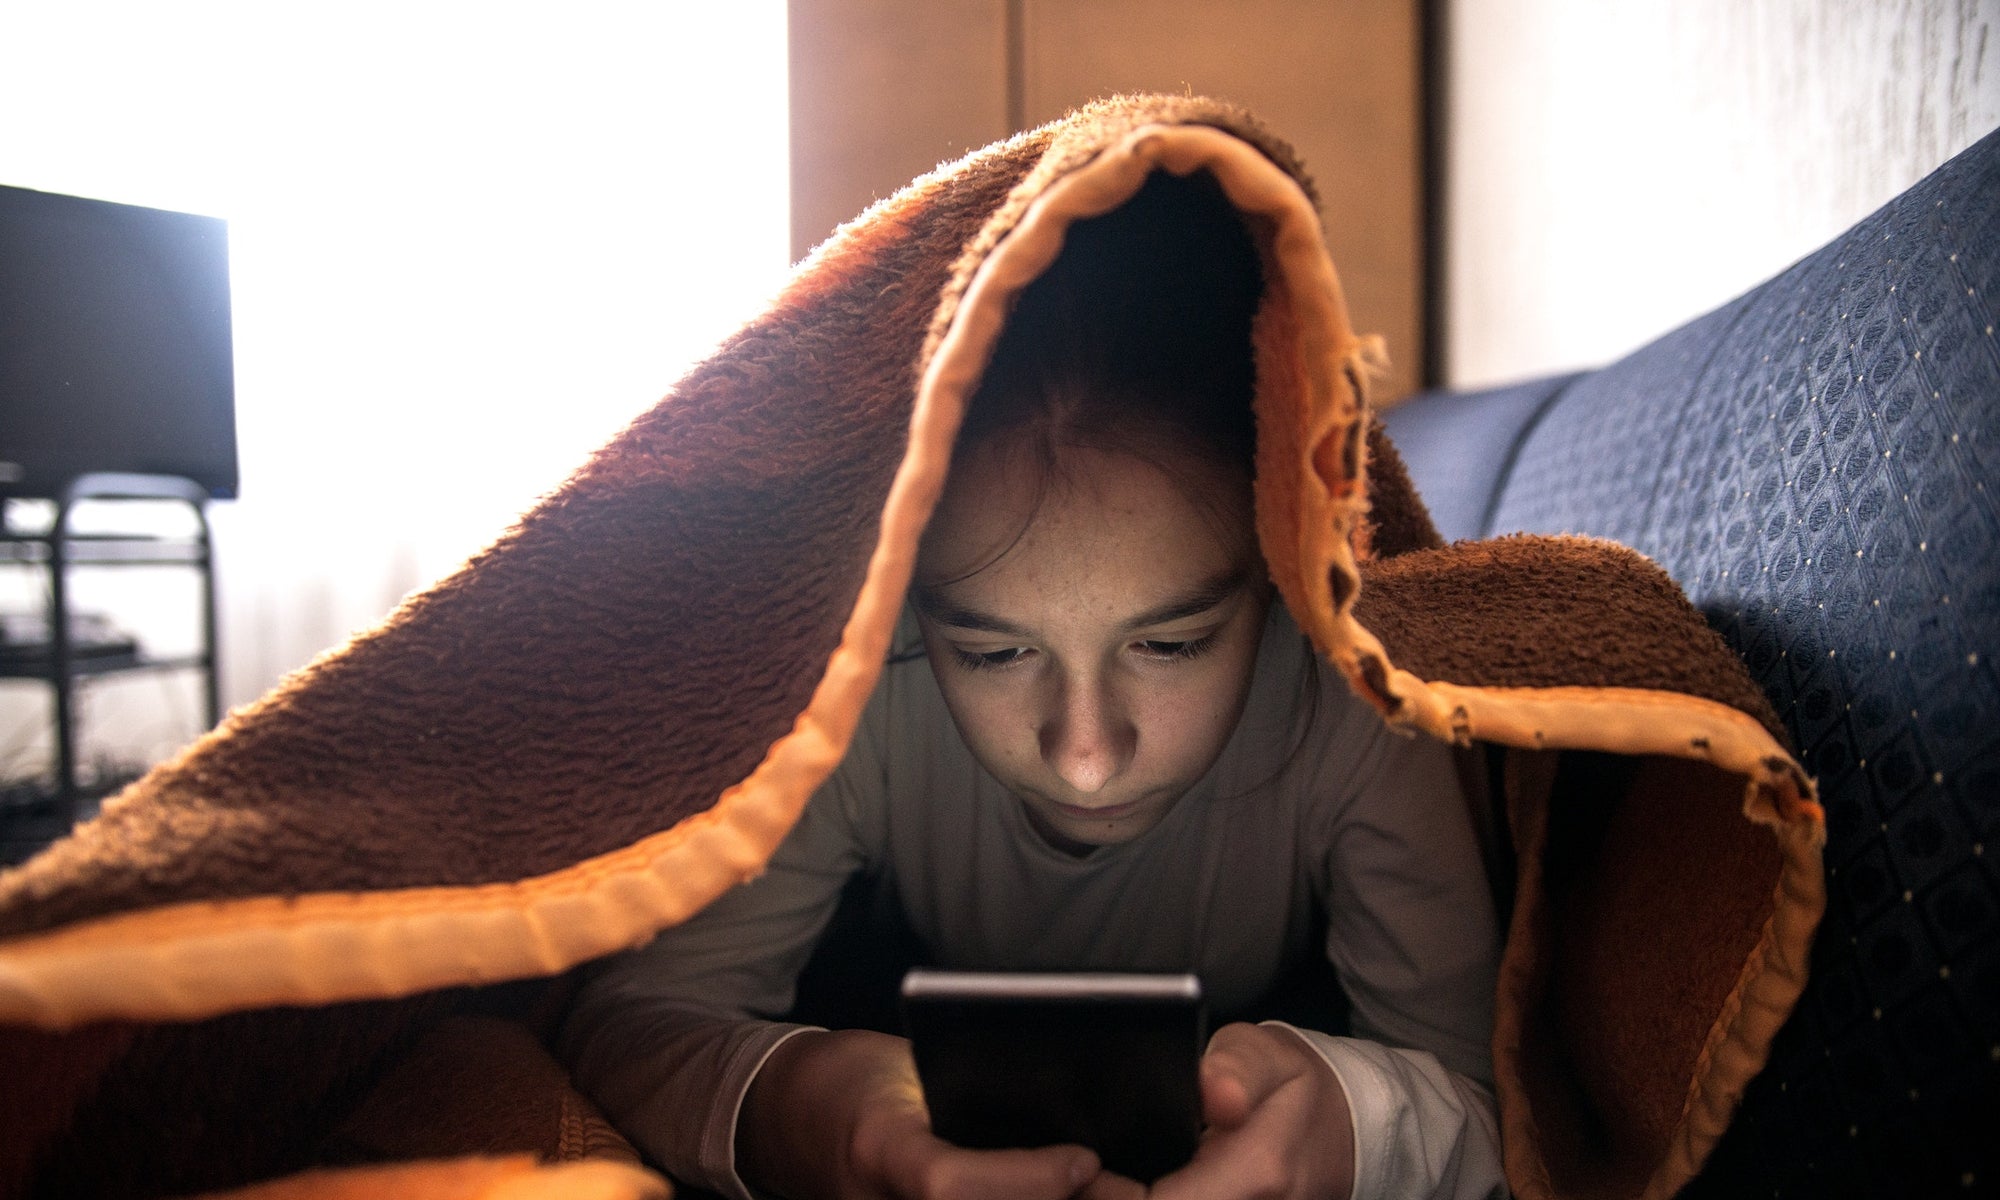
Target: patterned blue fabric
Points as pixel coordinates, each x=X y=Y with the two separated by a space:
x=1816 y=463
x=1472 y=439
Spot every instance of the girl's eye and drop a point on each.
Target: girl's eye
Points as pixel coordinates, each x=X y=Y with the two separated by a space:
x=992 y=658
x=1178 y=651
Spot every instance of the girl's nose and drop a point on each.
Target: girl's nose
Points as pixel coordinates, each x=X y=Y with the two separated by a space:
x=1087 y=738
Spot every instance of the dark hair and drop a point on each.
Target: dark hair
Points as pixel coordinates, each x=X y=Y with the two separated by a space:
x=1139 y=332
x=1137 y=340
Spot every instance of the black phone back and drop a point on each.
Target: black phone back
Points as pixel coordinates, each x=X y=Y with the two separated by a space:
x=1117 y=1073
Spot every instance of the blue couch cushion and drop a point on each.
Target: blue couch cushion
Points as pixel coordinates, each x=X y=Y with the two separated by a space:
x=1471 y=439
x=1816 y=464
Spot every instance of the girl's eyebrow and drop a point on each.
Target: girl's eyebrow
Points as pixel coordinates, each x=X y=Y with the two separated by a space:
x=1197 y=600
x=958 y=616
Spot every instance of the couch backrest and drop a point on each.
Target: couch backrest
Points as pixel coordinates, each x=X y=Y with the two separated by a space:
x=1817 y=464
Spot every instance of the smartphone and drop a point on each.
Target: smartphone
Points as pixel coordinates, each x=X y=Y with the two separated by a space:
x=1108 y=1061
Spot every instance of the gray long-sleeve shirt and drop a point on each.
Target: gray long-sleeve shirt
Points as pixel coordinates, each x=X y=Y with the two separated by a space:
x=1315 y=821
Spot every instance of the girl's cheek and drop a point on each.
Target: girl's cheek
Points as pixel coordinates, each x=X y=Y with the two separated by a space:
x=991 y=718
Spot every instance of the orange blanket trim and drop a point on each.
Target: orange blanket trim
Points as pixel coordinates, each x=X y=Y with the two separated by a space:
x=1777 y=794
x=513 y=1177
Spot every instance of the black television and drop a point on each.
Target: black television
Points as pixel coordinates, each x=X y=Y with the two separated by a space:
x=115 y=346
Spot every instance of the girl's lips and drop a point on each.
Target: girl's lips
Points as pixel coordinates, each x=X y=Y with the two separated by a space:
x=1110 y=812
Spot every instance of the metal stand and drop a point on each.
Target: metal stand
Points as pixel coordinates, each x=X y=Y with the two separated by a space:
x=59 y=550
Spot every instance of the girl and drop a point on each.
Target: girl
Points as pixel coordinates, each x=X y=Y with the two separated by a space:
x=1107 y=748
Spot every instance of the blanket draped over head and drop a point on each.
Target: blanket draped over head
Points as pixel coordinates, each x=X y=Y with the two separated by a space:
x=318 y=953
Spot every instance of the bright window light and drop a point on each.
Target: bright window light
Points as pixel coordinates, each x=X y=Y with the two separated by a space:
x=469 y=241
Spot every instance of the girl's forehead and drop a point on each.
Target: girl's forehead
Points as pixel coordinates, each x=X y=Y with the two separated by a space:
x=1096 y=519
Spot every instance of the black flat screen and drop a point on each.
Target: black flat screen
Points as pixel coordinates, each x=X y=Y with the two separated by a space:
x=115 y=349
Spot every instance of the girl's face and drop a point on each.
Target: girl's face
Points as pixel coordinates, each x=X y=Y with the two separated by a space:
x=1094 y=643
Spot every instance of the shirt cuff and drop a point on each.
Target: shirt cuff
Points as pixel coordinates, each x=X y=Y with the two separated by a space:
x=1418 y=1131
x=718 y=1139
x=1325 y=1047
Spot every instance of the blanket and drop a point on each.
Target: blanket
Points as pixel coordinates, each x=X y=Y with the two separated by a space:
x=323 y=948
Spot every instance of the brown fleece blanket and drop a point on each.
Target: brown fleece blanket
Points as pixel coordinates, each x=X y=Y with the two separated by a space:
x=283 y=960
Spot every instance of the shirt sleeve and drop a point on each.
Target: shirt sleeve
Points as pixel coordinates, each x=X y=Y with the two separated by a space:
x=1419 y=1129
x=1413 y=935
x=668 y=1037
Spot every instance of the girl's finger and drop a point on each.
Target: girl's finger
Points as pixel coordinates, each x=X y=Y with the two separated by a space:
x=1242 y=1066
x=1108 y=1186
x=925 y=1168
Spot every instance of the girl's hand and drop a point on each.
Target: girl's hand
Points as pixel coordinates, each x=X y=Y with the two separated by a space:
x=1278 y=1122
x=840 y=1114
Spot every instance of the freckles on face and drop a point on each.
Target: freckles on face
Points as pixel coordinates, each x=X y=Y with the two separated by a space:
x=1094 y=637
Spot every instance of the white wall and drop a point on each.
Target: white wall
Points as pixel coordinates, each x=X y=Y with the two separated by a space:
x=1616 y=167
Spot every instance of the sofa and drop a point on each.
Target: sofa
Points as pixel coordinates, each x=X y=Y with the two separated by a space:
x=1815 y=463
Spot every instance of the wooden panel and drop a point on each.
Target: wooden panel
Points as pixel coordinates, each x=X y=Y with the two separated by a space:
x=1338 y=78
x=882 y=91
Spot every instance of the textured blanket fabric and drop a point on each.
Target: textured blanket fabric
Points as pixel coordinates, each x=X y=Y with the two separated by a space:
x=614 y=714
